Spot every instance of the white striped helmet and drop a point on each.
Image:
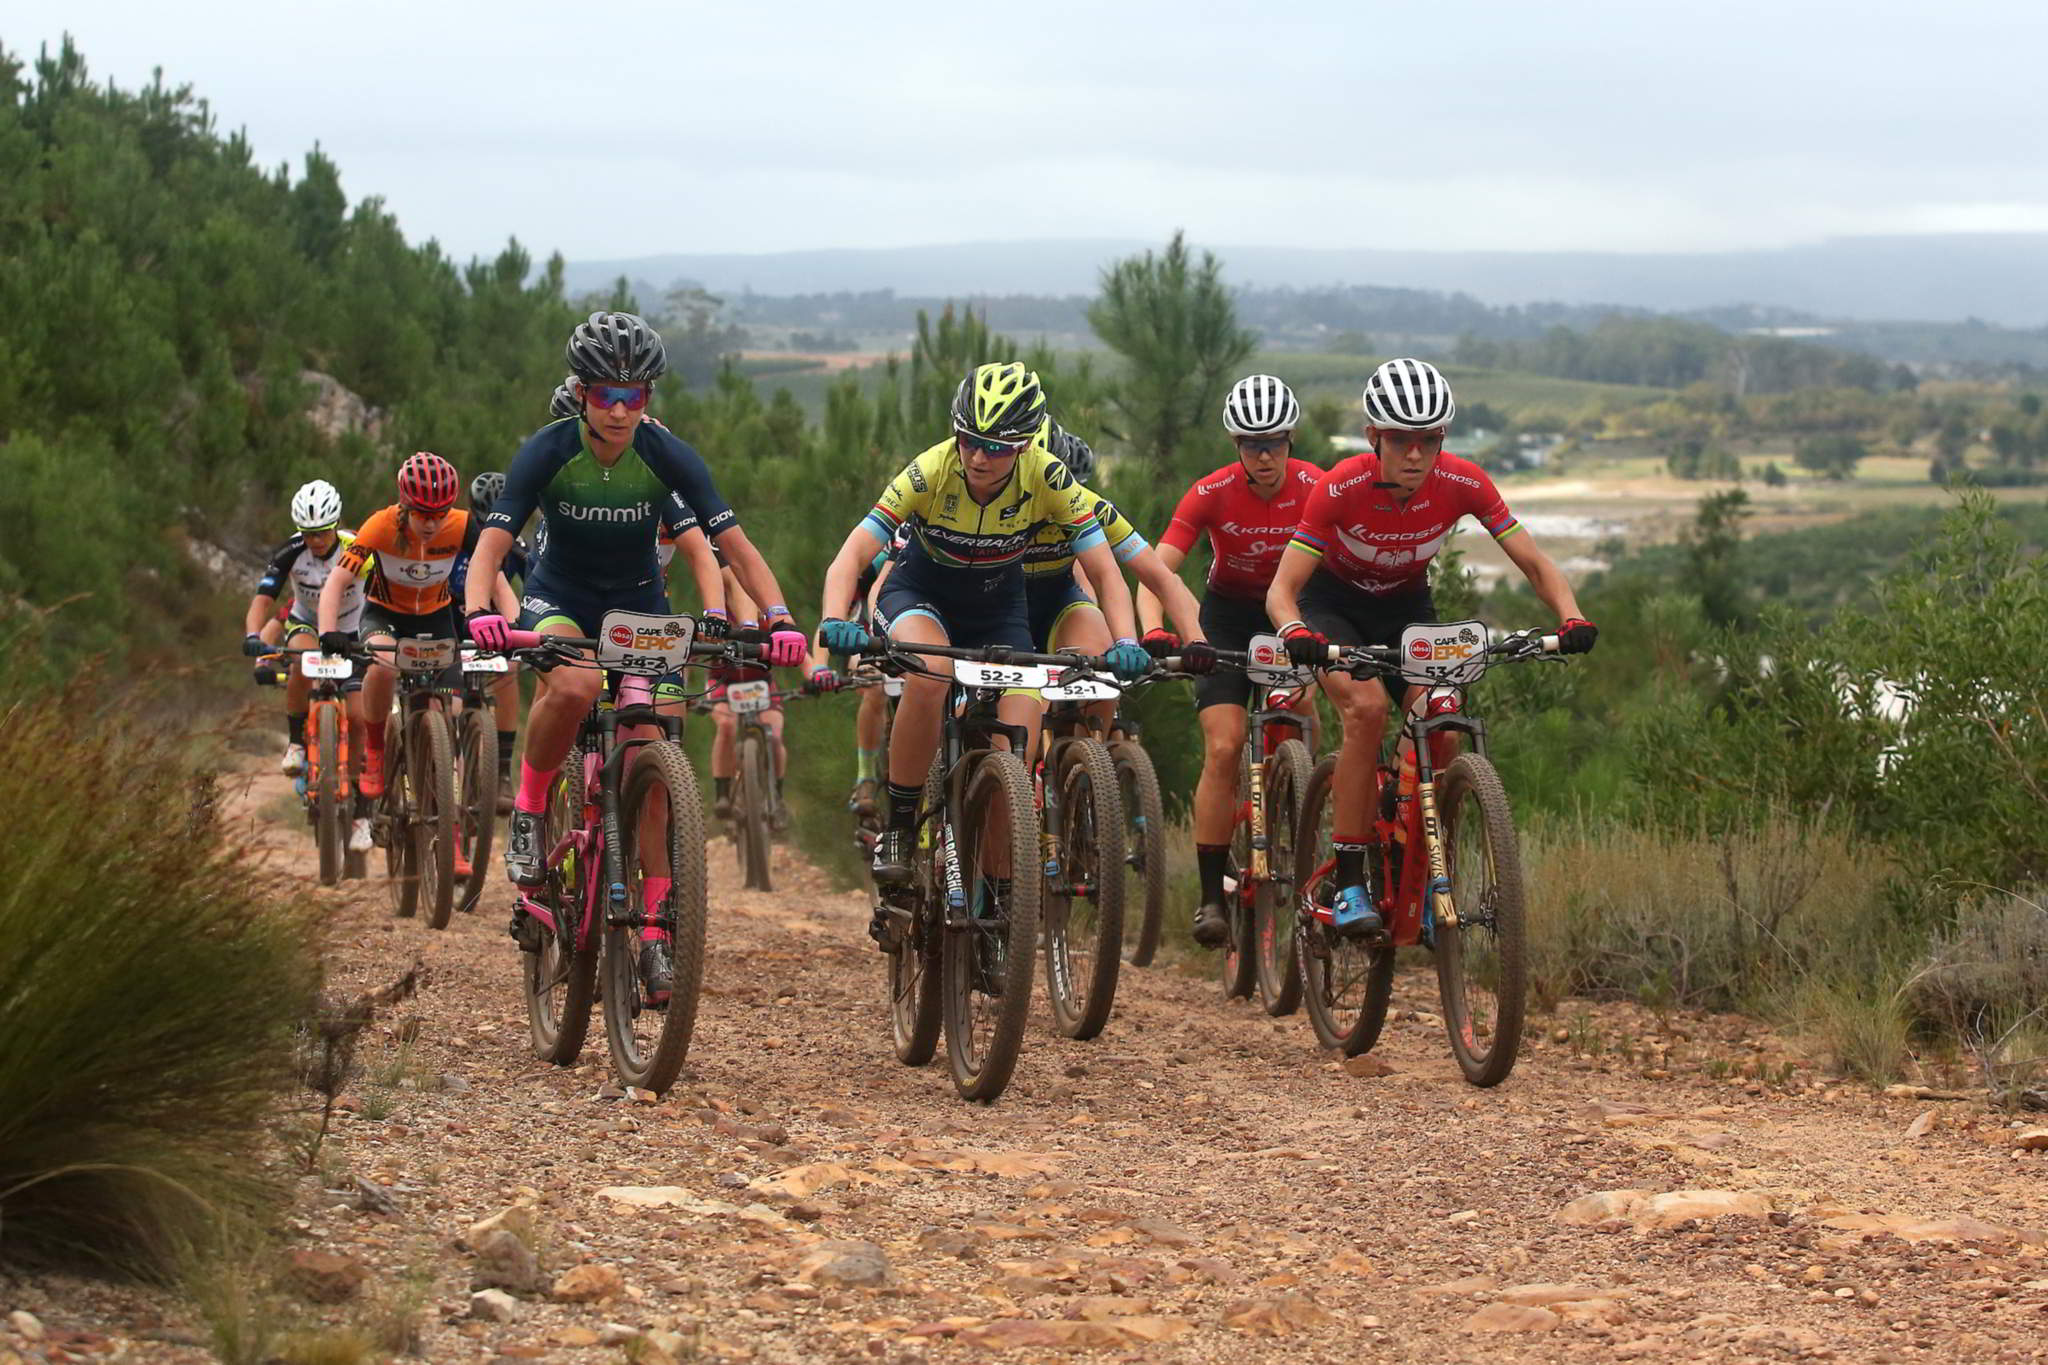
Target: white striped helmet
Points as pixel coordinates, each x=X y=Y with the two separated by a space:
x=1260 y=405
x=1408 y=395
x=316 y=507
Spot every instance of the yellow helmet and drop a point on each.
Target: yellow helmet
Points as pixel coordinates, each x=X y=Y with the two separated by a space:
x=1003 y=401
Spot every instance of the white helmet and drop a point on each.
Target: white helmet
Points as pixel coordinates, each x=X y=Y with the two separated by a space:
x=1260 y=405
x=316 y=507
x=1408 y=395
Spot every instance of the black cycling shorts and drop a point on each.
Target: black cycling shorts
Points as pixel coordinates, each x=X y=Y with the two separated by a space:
x=977 y=609
x=1230 y=623
x=1047 y=600
x=1349 y=616
x=544 y=600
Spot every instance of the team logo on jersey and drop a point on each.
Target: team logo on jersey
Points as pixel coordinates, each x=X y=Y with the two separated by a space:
x=1008 y=512
x=1057 y=476
x=638 y=511
x=916 y=477
x=952 y=505
x=1465 y=479
x=418 y=570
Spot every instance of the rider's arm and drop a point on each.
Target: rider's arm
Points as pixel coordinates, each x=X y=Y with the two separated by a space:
x=749 y=568
x=1149 y=614
x=1156 y=575
x=860 y=549
x=692 y=546
x=1543 y=574
x=333 y=593
x=262 y=607
x=484 y=570
x=504 y=599
x=1283 y=606
x=1112 y=594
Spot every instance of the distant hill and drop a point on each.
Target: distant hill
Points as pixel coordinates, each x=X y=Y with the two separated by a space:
x=1998 y=277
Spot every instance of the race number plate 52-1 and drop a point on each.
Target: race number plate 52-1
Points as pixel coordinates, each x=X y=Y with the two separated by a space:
x=745 y=698
x=641 y=642
x=475 y=662
x=325 y=665
x=424 y=656
x=1454 y=652
x=1080 y=689
x=1266 y=663
x=975 y=674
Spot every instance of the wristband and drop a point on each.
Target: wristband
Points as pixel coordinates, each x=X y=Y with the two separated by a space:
x=777 y=610
x=1126 y=640
x=1290 y=626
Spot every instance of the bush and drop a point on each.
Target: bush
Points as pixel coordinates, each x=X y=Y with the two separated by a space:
x=1985 y=983
x=148 y=995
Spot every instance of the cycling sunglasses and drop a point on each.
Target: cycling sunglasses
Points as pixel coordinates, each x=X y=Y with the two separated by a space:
x=995 y=450
x=1274 y=446
x=634 y=396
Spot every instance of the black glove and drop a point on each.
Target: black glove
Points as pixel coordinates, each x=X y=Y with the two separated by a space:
x=266 y=675
x=1576 y=636
x=713 y=625
x=1305 y=646
x=253 y=646
x=1160 y=642
x=341 y=642
x=1198 y=657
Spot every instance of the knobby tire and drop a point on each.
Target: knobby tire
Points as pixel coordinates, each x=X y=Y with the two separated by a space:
x=1346 y=985
x=646 y=1055
x=1482 y=964
x=1144 y=847
x=1274 y=910
x=1084 y=950
x=990 y=958
x=560 y=981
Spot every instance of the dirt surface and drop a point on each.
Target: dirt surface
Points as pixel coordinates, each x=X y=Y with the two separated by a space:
x=1200 y=1183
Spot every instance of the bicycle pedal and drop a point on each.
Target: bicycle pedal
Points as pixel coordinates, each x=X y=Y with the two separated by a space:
x=888 y=926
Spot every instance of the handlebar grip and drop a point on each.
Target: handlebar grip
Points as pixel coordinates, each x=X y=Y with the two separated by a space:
x=522 y=639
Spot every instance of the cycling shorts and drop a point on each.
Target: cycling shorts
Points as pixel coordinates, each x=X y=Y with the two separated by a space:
x=293 y=627
x=1229 y=623
x=438 y=624
x=1349 y=616
x=545 y=601
x=1047 y=600
x=975 y=610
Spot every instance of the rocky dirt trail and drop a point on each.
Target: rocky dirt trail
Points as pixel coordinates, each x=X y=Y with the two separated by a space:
x=1200 y=1183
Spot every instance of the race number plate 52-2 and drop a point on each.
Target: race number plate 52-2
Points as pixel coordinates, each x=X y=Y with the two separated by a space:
x=1266 y=663
x=325 y=665
x=745 y=698
x=474 y=661
x=1454 y=652
x=645 y=643
x=975 y=674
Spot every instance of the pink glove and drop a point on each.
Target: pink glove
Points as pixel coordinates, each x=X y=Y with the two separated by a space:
x=487 y=629
x=786 y=647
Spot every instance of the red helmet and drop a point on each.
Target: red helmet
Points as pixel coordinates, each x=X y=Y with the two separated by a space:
x=427 y=483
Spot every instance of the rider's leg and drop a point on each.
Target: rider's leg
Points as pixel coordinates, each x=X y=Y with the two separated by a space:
x=867 y=731
x=298 y=689
x=915 y=736
x=1083 y=629
x=505 y=703
x=1216 y=810
x=1362 y=706
x=380 y=681
x=551 y=724
x=724 y=759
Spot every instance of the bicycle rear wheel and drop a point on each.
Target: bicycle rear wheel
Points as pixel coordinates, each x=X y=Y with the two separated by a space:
x=330 y=826
x=753 y=795
x=914 y=996
x=560 y=979
x=991 y=945
x=400 y=808
x=1274 y=907
x=1481 y=961
x=1144 y=846
x=1084 y=915
x=1237 y=965
x=660 y=817
x=477 y=746
x=1345 y=984
x=432 y=763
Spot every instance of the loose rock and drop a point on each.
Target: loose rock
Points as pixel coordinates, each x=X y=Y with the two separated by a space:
x=846 y=1264
x=493 y=1305
x=588 y=1284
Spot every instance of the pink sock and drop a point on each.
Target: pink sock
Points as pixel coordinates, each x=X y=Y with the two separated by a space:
x=533 y=788
x=653 y=891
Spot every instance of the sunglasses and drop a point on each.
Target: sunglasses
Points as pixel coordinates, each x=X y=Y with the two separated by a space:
x=605 y=396
x=1247 y=446
x=995 y=450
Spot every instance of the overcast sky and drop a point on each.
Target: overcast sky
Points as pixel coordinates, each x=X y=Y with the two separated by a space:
x=1527 y=124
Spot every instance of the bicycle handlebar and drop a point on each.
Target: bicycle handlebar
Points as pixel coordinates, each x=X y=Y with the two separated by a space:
x=523 y=643
x=1520 y=644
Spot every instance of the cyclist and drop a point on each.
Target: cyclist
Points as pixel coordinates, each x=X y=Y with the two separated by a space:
x=1357 y=572
x=724 y=753
x=403 y=556
x=1248 y=510
x=973 y=504
x=305 y=561
x=483 y=491
x=871 y=711
x=599 y=481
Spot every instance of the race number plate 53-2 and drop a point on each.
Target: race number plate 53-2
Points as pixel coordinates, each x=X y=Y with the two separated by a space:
x=424 y=656
x=325 y=665
x=642 y=642
x=1454 y=652
x=975 y=674
x=745 y=698
x=1266 y=663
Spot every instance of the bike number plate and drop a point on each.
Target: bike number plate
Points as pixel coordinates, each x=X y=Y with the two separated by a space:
x=974 y=674
x=745 y=698
x=1080 y=689
x=1266 y=663
x=325 y=665
x=424 y=656
x=474 y=661
x=1454 y=652
x=892 y=687
x=641 y=642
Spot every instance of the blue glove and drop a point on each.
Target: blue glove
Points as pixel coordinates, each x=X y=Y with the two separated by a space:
x=844 y=637
x=1128 y=660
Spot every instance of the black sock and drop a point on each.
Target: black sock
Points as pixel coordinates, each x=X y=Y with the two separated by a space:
x=1209 y=862
x=506 y=738
x=778 y=785
x=1350 y=864
x=295 y=729
x=903 y=806
x=721 y=788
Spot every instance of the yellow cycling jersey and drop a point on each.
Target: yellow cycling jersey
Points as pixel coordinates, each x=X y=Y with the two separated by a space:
x=953 y=531
x=1052 y=550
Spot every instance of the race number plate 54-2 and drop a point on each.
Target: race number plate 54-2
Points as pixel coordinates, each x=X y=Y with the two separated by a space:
x=474 y=661
x=975 y=674
x=642 y=642
x=745 y=698
x=325 y=665
x=1454 y=652
x=424 y=656
x=1266 y=663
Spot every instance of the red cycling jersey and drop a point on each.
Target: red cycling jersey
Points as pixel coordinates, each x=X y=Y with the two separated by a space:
x=1247 y=533
x=1370 y=540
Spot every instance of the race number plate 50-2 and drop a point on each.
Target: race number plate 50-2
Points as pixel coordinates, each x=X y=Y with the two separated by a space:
x=474 y=661
x=642 y=642
x=424 y=656
x=324 y=665
x=1266 y=663
x=745 y=698
x=1454 y=652
x=975 y=674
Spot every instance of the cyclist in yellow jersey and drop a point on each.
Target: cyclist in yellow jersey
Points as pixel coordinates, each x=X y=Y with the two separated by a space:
x=973 y=505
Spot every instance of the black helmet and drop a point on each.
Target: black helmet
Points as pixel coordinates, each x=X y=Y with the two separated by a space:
x=616 y=348
x=563 y=403
x=486 y=488
x=1073 y=452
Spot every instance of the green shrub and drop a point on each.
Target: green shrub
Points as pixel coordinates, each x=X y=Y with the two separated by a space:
x=148 y=994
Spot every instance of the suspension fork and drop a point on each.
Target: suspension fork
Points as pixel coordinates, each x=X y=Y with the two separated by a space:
x=1437 y=893
x=1255 y=761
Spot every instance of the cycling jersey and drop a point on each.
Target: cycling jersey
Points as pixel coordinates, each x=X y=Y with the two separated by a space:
x=1369 y=540
x=1247 y=533
x=307 y=573
x=676 y=518
x=1051 y=551
x=402 y=573
x=513 y=566
x=950 y=530
x=598 y=524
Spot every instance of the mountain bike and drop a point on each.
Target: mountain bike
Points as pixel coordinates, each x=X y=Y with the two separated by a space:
x=1144 y=814
x=326 y=786
x=1444 y=868
x=476 y=763
x=867 y=824
x=1273 y=772
x=623 y=806
x=756 y=800
x=415 y=819
x=1083 y=823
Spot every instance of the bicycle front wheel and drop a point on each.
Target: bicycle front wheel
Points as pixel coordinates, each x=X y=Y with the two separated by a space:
x=1345 y=984
x=559 y=976
x=1084 y=911
x=329 y=823
x=754 y=794
x=1144 y=846
x=661 y=825
x=432 y=763
x=992 y=941
x=1481 y=960
x=477 y=750
x=1275 y=906
x=400 y=808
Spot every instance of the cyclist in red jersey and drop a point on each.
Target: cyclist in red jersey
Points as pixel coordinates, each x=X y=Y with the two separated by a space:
x=1357 y=572
x=1248 y=509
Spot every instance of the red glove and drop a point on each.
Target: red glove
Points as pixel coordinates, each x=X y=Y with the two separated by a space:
x=1160 y=642
x=1305 y=646
x=1576 y=636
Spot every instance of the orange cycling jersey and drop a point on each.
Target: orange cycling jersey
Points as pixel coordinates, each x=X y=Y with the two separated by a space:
x=405 y=575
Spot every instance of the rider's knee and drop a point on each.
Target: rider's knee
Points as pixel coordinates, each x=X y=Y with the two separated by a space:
x=577 y=687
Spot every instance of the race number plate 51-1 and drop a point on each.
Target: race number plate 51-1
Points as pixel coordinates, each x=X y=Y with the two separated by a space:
x=1454 y=652
x=975 y=674
x=325 y=665
x=641 y=642
x=424 y=656
x=475 y=662
x=1080 y=689
x=1266 y=663
x=745 y=698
